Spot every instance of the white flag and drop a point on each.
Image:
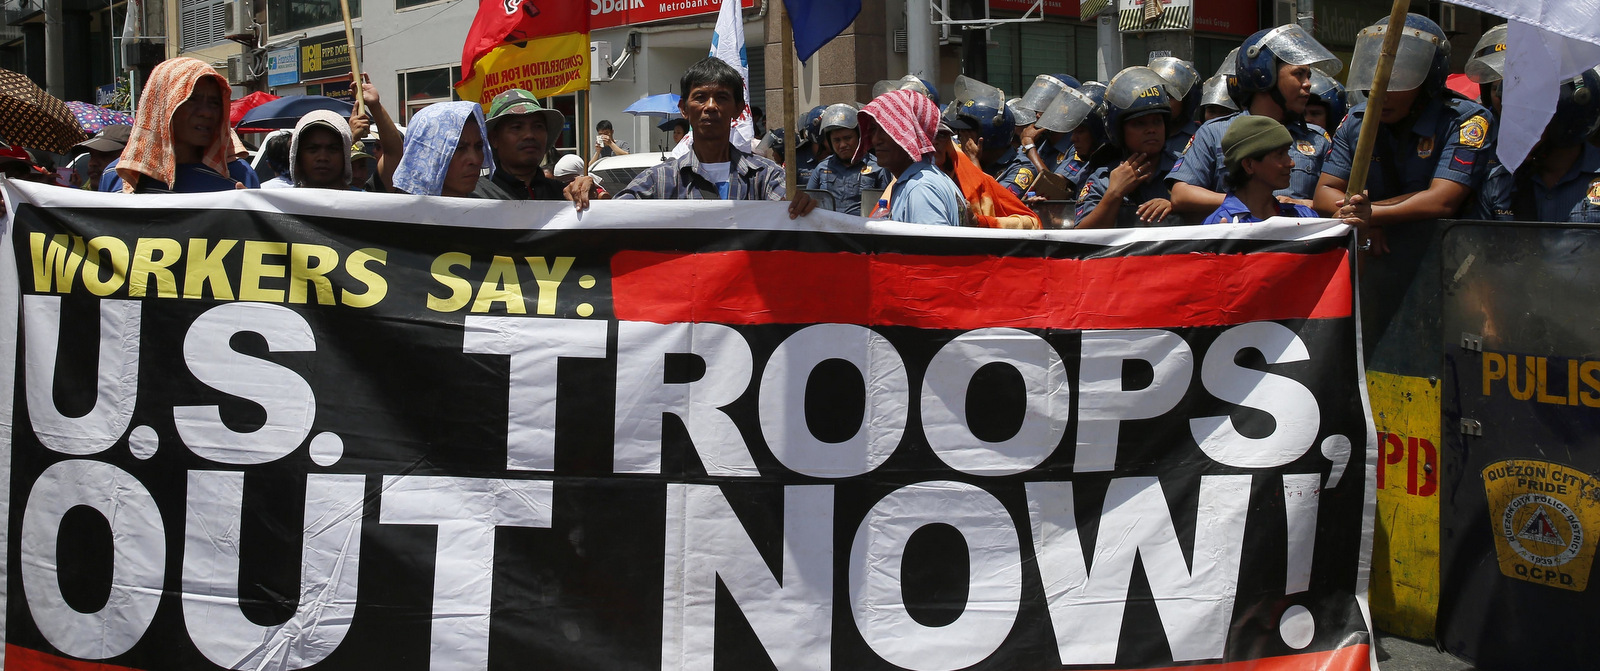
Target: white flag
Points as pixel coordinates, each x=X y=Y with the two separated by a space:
x=727 y=44
x=1547 y=42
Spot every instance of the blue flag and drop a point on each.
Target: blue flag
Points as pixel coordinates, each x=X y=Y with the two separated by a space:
x=816 y=22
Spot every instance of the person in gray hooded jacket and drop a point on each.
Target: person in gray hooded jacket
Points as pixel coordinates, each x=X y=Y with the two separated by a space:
x=319 y=152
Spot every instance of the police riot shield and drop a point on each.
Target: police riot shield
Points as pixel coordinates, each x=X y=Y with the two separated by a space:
x=1520 y=455
x=1411 y=61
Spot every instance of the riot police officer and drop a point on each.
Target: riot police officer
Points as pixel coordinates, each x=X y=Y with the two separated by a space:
x=984 y=126
x=1327 y=105
x=1181 y=80
x=1043 y=148
x=1272 y=78
x=810 y=151
x=1091 y=145
x=838 y=174
x=1431 y=145
x=1560 y=180
x=1488 y=67
x=1215 y=102
x=1132 y=193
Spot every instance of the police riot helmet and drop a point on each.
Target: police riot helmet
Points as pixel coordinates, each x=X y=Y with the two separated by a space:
x=983 y=107
x=1182 y=82
x=838 y=116
x=909 y=82
x=1020 y=115
x=811 y=126
x=1215 y=92
x=1135 y=92
x=1423 y=59
x=1095 y=123
x=1328 y=91
x=1577 y=111
x=1256 y=65
x=1044 y=90
x=1488 y=64
x=1070 y=108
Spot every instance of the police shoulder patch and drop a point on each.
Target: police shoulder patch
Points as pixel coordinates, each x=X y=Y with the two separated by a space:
x=1024 y=177
x=1425 y=146
x=1084 y=192
x=1594 y=192
x=1474 y=132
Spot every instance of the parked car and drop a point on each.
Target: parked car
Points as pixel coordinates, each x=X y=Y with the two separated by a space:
x=616 y=172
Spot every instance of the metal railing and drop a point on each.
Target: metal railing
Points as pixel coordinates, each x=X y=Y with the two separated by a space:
x=17 y=10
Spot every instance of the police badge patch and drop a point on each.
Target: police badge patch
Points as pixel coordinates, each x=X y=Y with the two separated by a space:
x=1474 y=132
x=1305 y=147
x=1024 y=178
x=1425 y=145
x=1594 y=192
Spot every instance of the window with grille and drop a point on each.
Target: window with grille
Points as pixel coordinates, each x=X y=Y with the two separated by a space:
x=421 y=88
x=202 y=23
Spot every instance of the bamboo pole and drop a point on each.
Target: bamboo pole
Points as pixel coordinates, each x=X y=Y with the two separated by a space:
x=791 y=136
x=1380 y=89
x=355 y=63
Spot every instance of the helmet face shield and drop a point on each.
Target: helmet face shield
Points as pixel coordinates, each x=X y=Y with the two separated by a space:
x=1488 y=64
x=1230 y=64
x=1022 y=116
x=1134 y=88
x=1412 y=61
x=969 y=90
x=837 y=116
x=1066 y=112
x=908 y=82
x=1293 y=45
x=1215 y=92
x=1180 y=75
x=1041 y=94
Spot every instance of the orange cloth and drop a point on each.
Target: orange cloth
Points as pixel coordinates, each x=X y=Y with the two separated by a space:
x=988 y=199
x=149 y=150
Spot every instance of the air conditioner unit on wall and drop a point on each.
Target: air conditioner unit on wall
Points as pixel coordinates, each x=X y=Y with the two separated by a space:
x=236 y=70
x=599 y=61
x=241 y=19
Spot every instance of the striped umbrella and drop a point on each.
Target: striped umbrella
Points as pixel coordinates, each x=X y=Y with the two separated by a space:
x=35 y=119
x=92 y=118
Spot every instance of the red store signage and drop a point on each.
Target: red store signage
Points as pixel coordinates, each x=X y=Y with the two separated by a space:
x=613 y=13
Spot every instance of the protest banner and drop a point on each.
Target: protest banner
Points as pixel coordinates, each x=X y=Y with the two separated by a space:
x=271 y=430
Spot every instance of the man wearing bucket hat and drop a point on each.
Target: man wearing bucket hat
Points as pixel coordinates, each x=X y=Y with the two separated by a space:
x=1432 y=147
x=519 y=133
x=105 y=147
x=1272 y=78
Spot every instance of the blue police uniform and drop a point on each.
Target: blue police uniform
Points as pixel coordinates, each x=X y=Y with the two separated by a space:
x=1012 y=170
x=1506 y=196
x=1078 y=168
x=1052 y=153
x=1234 y=211
x=805 y=160
x=1178 y=142
x=1449 y=139
x=1202 y=164
x=846 y=181
x=1128 y=217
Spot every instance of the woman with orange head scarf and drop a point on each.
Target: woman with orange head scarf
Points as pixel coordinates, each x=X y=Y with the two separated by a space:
x=181 y=142
x=990 y=204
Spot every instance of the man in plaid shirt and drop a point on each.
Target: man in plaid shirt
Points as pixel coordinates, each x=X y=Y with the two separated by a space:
x=713 y=169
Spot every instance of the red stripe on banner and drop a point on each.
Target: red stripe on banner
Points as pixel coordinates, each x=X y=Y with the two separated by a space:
x=24 y=659
x=968 y=292
x=1348 y=658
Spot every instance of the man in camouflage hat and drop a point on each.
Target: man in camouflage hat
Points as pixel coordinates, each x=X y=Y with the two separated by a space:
x=520 y=131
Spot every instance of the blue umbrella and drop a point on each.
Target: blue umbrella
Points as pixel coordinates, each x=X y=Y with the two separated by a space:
x=285 y=112
x=661 y=104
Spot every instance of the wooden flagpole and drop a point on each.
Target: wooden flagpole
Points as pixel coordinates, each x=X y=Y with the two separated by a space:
x=355 y=63
x=1360 y=165
x=791 y=135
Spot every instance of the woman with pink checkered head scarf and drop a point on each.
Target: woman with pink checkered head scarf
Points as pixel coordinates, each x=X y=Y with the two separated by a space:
x=899 y=127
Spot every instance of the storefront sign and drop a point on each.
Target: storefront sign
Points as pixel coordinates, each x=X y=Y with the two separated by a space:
x=613 y=13
x=1227 y=16
x=283 y=66
x=1067 y=8
x=325 y=57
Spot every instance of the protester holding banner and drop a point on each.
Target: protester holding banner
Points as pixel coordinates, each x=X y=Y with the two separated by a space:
x=899 y=127
x=106 y=146
x=444 y=151
x=841 y=174
x=1272 y=71
x=519 y=134
x=390 y=145
x=1132 y=194
x=319 y=152
x=180 y=141
x=712 y=169
x=1427 y=159
x=1256 y=153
